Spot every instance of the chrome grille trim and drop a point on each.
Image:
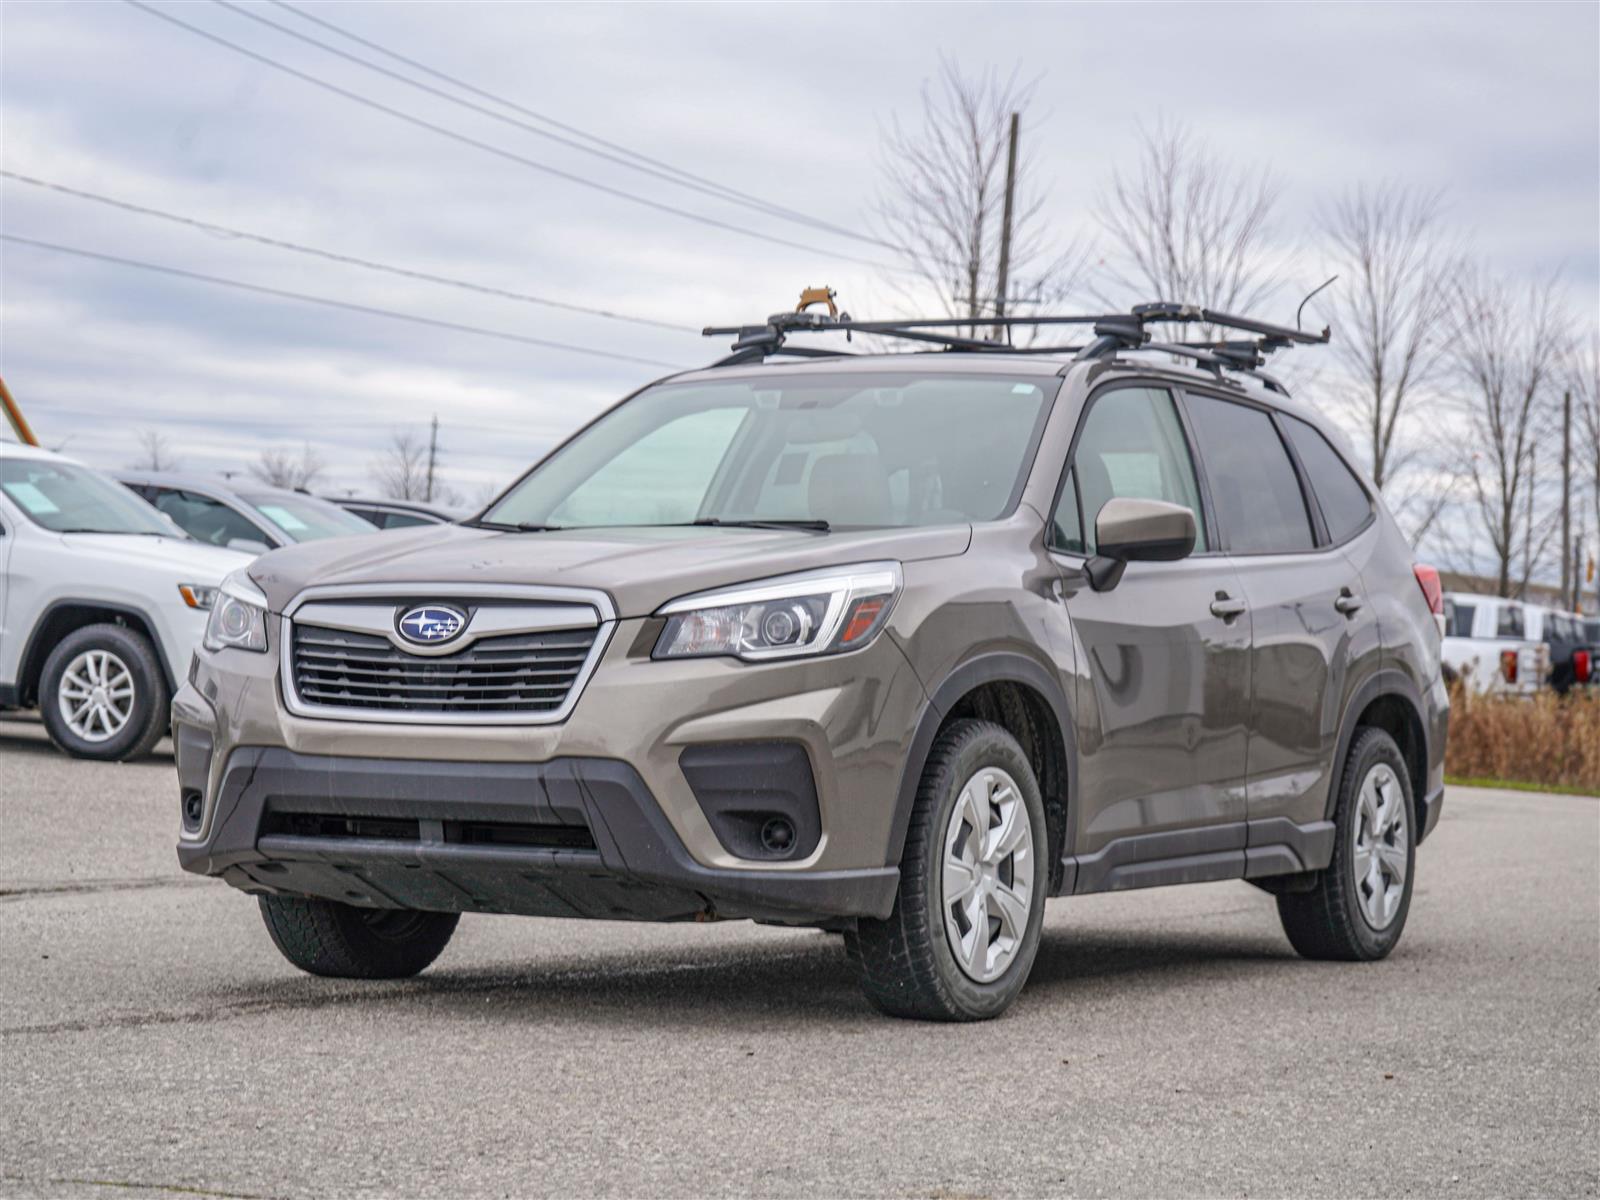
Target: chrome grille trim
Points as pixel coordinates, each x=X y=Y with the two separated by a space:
x=523 y=637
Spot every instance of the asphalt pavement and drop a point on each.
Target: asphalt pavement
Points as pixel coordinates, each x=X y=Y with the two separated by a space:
x=1169 y=1043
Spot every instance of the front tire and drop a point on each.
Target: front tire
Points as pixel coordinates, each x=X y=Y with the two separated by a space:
x=964 y=931
x=341 y=941
x=1358 y=908
x=103 y=695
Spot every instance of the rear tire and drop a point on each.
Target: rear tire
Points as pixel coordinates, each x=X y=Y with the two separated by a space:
x=964 y=931
x=324 y=937
x=103 y=695
x=1357 y=910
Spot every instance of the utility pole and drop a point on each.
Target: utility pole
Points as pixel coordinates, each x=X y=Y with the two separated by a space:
x=433 y=455
x=1567 y=589
x=1003 y=278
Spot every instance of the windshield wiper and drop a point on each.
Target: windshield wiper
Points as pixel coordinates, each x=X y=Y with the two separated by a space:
x=512 y=526
x=809 y=524
x=124 y=532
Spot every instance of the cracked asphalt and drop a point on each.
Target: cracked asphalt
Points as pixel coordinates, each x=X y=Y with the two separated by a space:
x=152 y=1041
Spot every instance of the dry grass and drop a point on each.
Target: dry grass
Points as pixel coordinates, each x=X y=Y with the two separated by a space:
x=1547 y=740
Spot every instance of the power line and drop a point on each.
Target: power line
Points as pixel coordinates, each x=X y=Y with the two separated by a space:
x=335 y=256
x=609 y=151
x=328 y=302
x=498 y=151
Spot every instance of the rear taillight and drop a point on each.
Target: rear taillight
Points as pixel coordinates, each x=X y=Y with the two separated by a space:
x=1508 y=665
x=1580 y=666
x=1432 y=589
x=1432 y=592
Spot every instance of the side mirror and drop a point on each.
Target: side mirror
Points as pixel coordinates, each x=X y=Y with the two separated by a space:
x=248 y=545
x=1129 y=530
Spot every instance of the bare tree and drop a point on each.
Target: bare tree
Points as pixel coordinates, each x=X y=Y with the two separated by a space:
x=944 y=194
x=485 y=494
x=1506 y=348
x=1388 y=313
x=1185 y=226
x=154 y=454
x=401 y=471
x=280 y=467
x=1585 y=383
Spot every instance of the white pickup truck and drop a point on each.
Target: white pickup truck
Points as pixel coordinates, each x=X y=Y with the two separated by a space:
x=102 y=600
x=1487 y=640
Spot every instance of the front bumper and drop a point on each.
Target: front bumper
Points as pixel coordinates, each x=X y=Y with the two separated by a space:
x=618 y=770
x=570 y=837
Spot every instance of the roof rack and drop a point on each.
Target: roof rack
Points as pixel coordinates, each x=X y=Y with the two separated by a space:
x=1113 y=332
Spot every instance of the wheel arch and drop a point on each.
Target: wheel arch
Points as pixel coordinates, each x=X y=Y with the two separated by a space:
x=65 y=616
x=1388 y=701
x=1022 y=696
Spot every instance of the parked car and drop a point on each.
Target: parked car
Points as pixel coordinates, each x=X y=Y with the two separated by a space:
x=1568 y=646
x=894 y=644
x=1489 y=643
x=395 y=514
x=249 y=516
x=102 y=601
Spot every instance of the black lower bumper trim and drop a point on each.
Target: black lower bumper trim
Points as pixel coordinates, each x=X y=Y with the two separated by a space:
x=1432 y=806
x=637 y=869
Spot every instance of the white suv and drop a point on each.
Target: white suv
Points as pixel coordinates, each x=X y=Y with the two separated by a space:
x=102 y=601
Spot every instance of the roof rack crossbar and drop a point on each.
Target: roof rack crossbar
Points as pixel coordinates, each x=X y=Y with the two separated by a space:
x=1113 y=332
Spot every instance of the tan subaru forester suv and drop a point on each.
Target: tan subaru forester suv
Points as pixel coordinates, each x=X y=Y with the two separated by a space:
x=899 y=645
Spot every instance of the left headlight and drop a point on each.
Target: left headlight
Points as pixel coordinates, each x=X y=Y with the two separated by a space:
x=238 y=616
x=817 y=612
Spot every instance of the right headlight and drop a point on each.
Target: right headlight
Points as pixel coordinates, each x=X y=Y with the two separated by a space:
x=238 y=616
x=818 y=612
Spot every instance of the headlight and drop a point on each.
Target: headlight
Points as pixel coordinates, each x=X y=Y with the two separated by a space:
x=819 y=612
x=238 y=616
x=197 y=595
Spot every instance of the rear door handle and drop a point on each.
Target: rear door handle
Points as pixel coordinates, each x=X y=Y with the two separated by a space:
x=1347 y=602
x=1226 y=607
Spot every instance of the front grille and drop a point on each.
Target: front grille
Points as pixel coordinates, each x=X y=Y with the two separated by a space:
x=511 y=673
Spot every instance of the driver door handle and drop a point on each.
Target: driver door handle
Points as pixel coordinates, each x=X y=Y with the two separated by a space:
x=1347 y=602
x=1226 y=607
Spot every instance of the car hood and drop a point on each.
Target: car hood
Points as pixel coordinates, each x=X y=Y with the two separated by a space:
x=640 y=568
x=189 y=561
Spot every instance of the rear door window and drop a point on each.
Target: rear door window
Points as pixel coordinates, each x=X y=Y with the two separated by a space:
x=1458 y=619
x=1260 y=507
x=1345 y=504
x=1508 y=623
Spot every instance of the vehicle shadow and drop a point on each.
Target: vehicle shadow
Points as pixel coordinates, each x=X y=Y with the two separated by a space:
x=807 y=979
x=27 y=736
x=19 y=737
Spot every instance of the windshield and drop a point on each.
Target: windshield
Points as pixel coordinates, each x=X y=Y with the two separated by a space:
x=305 y=518
x=851 y=451
x=67 y=498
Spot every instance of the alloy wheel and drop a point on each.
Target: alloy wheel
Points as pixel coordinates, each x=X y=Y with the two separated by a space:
x=96 y=695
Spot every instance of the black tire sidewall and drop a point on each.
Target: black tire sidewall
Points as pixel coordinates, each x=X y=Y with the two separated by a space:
x=982 y=745
x=150 y=693
x=328 y=938
x=1373 y=747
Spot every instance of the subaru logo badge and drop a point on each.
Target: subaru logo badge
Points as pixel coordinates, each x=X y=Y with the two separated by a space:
x=430 y=624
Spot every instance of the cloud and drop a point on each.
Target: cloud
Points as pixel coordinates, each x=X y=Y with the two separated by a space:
x=1494 y=103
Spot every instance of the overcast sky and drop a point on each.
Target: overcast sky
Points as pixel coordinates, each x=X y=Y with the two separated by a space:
x=1498 y=105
